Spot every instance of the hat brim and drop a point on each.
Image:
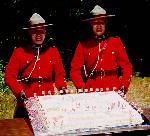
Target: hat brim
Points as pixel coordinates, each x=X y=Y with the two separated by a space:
x=98 y=17
x=32 y=27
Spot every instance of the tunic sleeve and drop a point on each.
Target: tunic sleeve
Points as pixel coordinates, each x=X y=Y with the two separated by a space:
x=60 y=74
x=124 y=63
x=11 y=73
x=76 y=65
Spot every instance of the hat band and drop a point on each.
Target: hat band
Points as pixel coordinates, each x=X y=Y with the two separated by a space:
x=98 y=16
x=37 y=25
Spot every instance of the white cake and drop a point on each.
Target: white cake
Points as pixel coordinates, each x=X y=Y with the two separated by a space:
x=60 y=114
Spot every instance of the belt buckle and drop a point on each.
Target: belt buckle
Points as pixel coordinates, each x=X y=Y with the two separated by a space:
x=40 y=80
x=102 y=73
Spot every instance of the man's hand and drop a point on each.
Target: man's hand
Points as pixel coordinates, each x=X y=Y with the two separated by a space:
x=23 y=96
x=63 y=90
x=122 y=91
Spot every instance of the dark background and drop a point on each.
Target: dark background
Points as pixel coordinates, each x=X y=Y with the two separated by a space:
x=131 y=23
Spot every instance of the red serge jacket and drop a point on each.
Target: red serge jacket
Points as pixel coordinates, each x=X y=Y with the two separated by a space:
x=43 y=68
x=113 y=55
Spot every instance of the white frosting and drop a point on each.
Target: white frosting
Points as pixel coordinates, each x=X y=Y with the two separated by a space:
x=61 y=113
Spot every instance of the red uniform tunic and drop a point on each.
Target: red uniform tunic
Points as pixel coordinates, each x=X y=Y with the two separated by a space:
x=42 y=68
x=113 y=55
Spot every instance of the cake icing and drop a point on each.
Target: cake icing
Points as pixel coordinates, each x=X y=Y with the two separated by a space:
x=60 y=114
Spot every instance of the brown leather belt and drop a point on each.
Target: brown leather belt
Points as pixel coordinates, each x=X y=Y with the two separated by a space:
x=34 y=80
x=103 y=73
x=40 y=80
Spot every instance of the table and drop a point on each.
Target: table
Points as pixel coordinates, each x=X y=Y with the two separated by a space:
x=22 y=127
x=15 y=127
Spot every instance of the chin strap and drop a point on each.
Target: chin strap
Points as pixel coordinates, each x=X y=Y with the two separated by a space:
x=37 y=48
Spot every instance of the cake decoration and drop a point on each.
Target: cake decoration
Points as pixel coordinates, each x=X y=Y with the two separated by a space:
x=64 y=114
